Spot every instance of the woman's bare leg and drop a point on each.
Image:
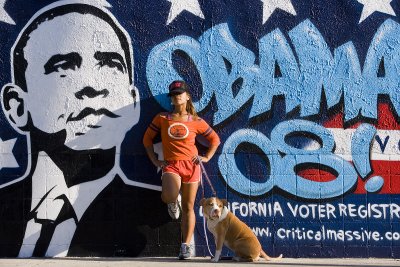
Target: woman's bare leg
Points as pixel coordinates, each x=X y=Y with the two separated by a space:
x=189 y=191
x=171 y=184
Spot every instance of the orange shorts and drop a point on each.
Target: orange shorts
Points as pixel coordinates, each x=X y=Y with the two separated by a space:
x=186 y=169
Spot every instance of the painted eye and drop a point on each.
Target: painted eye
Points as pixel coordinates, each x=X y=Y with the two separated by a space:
x=112 y=64
x=59 y=63
x=111 y=60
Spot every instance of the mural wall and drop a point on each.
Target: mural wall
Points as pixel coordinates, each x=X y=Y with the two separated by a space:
x=303 y=94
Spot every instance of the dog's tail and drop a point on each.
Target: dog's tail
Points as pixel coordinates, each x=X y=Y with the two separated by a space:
x=268 y=258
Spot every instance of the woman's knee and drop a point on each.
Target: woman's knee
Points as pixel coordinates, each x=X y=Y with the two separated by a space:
x=170 y=187
x=168 y=197
x=187 y=207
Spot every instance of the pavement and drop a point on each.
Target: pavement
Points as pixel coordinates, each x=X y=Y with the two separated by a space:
x=198 y=261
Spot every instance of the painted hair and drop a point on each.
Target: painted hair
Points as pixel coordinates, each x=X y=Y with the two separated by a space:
x=19 y=62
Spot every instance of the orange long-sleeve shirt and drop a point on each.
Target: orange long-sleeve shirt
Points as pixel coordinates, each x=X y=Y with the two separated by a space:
x=178 y=137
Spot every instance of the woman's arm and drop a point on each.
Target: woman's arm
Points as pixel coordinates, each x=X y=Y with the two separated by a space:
x=152 y=156
x=207 y=157
x=148 y=137
x=213 y=139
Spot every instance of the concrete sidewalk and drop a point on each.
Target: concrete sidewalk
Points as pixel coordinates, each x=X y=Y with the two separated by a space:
x=199 y=261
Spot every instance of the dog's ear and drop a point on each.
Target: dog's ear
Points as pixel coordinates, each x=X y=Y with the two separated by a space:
x=202 y=201
x=225 y=202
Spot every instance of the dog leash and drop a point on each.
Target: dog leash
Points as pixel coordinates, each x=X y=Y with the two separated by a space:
x=203 y=172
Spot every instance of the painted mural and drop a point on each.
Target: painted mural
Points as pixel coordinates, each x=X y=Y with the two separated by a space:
x=303 y=94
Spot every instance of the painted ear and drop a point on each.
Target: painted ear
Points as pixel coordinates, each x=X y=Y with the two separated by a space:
x=135 y=94
x=202 y=201
x=13 y=104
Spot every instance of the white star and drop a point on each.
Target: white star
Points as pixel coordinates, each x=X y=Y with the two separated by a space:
x=3 y=14
x=269 y=7
x=177 y=6
x=371 y=6
x=7 y=158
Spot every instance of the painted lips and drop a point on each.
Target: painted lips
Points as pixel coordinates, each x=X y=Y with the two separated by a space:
x=91 y=111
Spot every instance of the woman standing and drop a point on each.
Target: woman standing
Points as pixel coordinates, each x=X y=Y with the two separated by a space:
x=180 y=169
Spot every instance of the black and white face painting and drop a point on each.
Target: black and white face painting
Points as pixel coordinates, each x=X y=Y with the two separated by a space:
x=78 y=80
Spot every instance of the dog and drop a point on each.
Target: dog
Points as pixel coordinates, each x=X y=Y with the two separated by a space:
x=229 y=230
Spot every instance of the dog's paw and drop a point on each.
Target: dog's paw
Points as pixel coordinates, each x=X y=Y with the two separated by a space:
x=236 y=258
x=215 y=259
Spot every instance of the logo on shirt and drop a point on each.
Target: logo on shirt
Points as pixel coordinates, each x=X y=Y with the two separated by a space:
x=178 y=131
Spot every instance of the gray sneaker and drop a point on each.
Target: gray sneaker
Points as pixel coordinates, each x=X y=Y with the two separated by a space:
x=186 y=251
x=174 y=209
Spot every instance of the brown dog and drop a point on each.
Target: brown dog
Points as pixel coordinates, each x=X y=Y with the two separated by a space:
x=229 y=230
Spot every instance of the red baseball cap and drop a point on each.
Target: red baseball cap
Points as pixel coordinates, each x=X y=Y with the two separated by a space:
x=178 y=87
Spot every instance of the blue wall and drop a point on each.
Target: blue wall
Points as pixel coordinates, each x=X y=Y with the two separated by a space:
x=303 y=94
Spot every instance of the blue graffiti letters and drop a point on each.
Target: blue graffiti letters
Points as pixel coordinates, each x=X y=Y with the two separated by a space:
x=232 y=174
x=275 y=50
x=301 y=126
x=164 y=73
x=305 y=70
x=360 y=145
x=284 y=159
x=383 y=49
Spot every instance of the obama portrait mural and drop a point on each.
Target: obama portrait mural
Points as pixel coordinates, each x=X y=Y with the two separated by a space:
x=72 y=95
